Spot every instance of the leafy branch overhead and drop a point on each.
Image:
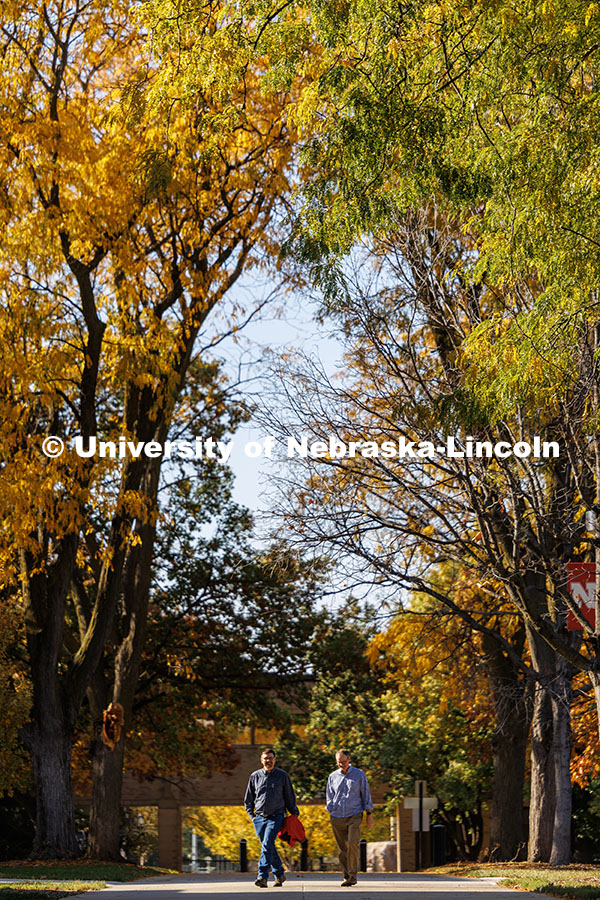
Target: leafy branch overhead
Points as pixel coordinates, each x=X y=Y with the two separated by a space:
x=119 y=240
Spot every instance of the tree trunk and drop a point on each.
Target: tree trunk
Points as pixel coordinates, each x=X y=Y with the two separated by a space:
x=105 y=813
x=509 y=752
x=561 y=709
x=551 y=790
x=465 y=831
x=512 y=705
x=50 y=748
x=105 y=810
x=48 y=735
x=543 y=796
x=542 y=802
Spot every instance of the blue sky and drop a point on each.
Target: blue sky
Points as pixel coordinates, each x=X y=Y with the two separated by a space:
x=275 y=331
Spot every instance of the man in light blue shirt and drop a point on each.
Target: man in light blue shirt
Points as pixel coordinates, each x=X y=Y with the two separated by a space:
x=348 y=796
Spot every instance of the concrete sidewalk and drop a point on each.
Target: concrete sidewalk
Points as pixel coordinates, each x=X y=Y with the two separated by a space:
x=380 y=886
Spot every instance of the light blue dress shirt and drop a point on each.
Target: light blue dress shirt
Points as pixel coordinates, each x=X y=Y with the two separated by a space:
x=348 y=795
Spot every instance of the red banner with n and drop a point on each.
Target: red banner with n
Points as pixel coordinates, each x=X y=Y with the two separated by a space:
x=581 y=584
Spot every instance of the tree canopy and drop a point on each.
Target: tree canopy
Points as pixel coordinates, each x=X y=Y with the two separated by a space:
x=431 y=170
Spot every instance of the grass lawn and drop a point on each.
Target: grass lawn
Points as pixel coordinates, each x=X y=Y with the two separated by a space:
x=44 y=890
x=576 y=881
x=49 y=880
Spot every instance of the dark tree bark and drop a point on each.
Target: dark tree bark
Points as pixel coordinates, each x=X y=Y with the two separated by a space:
x=107 y=761
x=106 y=800
x=58 y=690
x=48 y=733
x=513 y=707
x=543 y=796
x=130 y=628
x=562 y=695
x=55 y=823
x=49 y=741
x=465 y=830
x=551 y=791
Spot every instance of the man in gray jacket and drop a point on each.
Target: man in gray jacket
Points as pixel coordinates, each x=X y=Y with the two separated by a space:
x=268 y=795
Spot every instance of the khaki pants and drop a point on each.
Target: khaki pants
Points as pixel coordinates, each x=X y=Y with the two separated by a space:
x=346 y=830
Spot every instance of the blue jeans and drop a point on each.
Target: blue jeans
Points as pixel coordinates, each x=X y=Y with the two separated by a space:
x=267 y=828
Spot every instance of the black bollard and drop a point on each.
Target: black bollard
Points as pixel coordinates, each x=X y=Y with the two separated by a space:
x=438 y=845
x=304 y=856
x=243 y=855
x=363 y=855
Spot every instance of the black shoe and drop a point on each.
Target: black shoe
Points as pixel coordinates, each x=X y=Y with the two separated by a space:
x=279 y=880
x=261 y=882
x=349 y=882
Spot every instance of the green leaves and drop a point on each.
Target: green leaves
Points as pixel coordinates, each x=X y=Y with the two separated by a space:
x=154 y=173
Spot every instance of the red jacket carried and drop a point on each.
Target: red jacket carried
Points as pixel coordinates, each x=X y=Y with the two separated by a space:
x=292 y=830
